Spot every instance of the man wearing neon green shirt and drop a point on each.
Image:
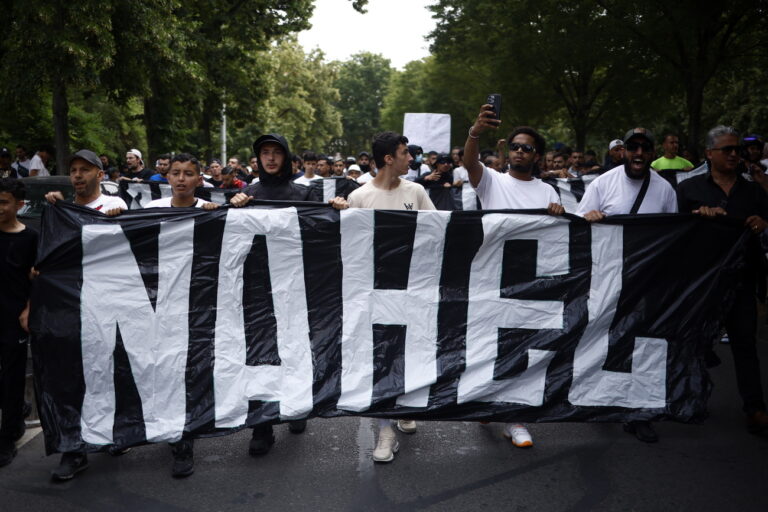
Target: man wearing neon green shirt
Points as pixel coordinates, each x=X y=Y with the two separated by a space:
x=670 y=159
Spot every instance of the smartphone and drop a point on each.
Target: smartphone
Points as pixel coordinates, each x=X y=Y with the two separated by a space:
x=495 y=101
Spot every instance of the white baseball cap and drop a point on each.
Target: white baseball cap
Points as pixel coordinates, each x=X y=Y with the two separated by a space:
x=614 y=143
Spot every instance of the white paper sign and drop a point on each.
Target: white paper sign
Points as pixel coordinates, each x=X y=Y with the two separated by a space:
x=430 y=131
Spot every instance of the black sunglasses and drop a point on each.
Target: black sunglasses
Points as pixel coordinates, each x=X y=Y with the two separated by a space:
x=728 y=149
x=633 y=146
x=527 y=148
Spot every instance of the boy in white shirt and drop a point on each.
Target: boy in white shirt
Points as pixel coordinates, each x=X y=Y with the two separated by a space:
x=388 y=190
x=184 y=178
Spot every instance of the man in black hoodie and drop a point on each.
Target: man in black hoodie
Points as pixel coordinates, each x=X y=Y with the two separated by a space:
x=275 y=184
x=275 y=175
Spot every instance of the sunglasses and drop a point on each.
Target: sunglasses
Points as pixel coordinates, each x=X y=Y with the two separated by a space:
x=634 y=146
x=728 y=149
x=527 y=148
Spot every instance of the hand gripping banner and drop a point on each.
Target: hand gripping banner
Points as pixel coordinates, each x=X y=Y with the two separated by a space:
x=165 y=323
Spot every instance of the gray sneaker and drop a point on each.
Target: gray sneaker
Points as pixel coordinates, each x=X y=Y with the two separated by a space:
x=387 y=446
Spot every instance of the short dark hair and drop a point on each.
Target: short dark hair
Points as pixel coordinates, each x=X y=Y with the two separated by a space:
x=310 y=156
x=296 y=158
x=48 y=149
x=386 y=143
x=226 y=171
x=590 y=152
x=14 y=186
x=252 y=157
x=538 y=141
x=186 y=157
x=164 y=156
x=19 y=146
x=666 y=135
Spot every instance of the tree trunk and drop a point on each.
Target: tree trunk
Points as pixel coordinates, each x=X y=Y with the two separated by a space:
x=694 y=101
x=61 y=126
x=209 y=110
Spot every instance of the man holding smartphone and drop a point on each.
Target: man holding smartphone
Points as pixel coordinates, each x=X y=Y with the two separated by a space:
x=516 y=189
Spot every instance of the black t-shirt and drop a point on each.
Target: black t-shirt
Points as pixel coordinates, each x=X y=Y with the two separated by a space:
x=17 y=256
x=745 y=199
x=144 y=174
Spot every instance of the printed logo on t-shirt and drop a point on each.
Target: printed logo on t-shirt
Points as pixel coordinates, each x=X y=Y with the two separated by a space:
x=408 y=206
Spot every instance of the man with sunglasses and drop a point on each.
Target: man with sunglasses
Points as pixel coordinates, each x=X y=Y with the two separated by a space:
x=516 y=189
x=724 y=191
x=631 y=188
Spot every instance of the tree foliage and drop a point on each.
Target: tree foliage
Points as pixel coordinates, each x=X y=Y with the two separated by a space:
x=362 y=83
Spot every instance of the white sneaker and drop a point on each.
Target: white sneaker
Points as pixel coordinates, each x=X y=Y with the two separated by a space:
x=518 y=434
x=387 y=446
x=406 y=426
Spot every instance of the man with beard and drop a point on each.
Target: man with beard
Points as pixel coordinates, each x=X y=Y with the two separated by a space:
x=85 y=173
x=162 y=166
x=631 y=188
x=368 y=170
x=135 y=166
x=516 y=189
x=724 y=191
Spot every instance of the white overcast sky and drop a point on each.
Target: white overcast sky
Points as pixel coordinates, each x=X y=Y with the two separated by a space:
x=392 y=28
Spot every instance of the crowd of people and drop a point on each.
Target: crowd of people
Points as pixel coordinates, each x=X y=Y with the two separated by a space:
x=397 y=175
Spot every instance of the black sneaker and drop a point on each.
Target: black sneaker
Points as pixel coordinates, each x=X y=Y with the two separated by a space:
x=7 y=451
x=643 y=431
x=261 y=440
x=71 y=464
x=297 y=427
x=183 y=458
x=116 y=451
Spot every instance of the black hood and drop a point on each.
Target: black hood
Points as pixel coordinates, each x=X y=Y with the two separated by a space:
x=286 y=171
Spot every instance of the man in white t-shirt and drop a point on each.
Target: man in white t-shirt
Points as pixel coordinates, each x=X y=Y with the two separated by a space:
x=37 y=165
x=631 y=188
x=85 y=174
x=616 y=191
x=516 y=189
x=389 y=191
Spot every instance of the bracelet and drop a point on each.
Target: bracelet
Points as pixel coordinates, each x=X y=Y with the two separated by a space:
x=472 y=136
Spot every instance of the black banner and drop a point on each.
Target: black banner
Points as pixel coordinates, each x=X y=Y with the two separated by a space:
x=137 y=194
x=166 y=323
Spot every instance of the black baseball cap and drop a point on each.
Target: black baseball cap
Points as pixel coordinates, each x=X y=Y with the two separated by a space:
x=443 y=158
x=748 y=140
x=363 y=153
x=5 y=153
x=87 y=155
x=640 y=132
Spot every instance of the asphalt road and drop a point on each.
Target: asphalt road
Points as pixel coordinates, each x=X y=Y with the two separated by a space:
x=444 y=466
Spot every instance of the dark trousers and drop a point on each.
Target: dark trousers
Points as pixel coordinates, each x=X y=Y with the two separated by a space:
x=13 y=365
x=741 y=326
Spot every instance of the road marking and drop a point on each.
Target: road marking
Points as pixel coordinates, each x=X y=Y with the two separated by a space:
x=29 y=435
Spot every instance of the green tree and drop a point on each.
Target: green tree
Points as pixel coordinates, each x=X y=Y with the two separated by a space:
x=695 y=42
x=300 y=100
x=362 y=83
x=542 y=53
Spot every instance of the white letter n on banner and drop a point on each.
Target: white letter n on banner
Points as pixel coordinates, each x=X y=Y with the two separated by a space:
x=488 y=312
x=416 y=307
x=156 y=340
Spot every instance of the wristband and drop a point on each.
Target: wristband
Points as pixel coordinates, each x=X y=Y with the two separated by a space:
x=472 y=136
